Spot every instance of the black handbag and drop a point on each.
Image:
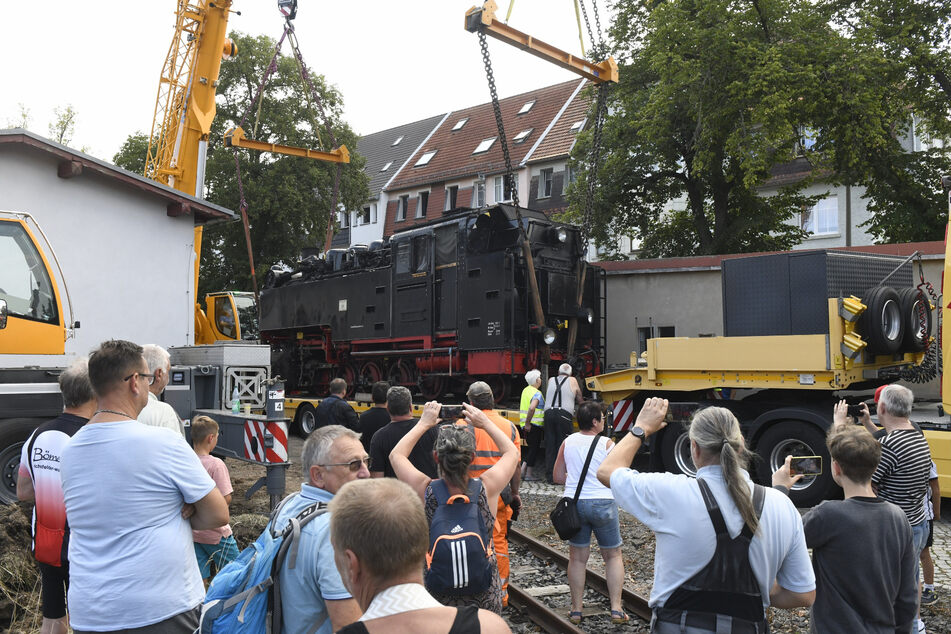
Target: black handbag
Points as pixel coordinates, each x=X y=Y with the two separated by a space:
x=564 y=517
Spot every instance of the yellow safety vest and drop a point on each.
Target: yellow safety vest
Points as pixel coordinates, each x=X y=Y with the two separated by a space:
x=528 y=394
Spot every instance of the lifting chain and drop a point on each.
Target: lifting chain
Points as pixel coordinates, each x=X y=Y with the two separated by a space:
x=600 y=113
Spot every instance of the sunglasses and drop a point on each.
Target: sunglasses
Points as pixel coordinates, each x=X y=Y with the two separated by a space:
x=353 y=464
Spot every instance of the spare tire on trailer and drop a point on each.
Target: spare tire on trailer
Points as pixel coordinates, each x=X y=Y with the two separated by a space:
x=882 y=325
x=917 y=332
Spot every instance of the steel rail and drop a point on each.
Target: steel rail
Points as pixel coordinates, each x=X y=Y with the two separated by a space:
x=633 y=603
x=541 y=614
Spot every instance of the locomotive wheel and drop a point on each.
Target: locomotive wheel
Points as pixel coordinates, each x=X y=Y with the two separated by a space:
x=883 y=322
x=432 y=387
x=305 y=420
x=910 y=300
x=500 y=387
x=794 y=438
x=370 y=373
x=401 y=373
x=350 y=374
x=322 y=386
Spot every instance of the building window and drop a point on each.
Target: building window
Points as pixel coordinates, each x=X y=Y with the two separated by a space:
x=373 y=216
x=387 y=166
x=521 y=136
x=500 y=194
x=577 y=125
x=484 y=146
x=823 y=218
x=544 y=182
x=344 y=219
x=398 y=140
x=422 y=203
x=425 y=158
x=401 y=205
x=459 y=124
x=479 y=189
x=451 y=194
x=365 y=216
x=806 y=141
x=571 y=174
x=527 y=107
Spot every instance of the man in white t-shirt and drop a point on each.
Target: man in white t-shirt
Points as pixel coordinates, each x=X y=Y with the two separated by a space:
x=128 y=488
x=159 y=413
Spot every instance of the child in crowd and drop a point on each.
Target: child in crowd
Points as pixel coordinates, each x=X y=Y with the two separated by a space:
x=215 y=545
x=933 y=513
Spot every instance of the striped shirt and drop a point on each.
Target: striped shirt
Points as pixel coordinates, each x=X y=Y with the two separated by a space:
x=902 y=474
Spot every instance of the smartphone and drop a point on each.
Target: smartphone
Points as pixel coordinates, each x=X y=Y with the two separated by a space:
x=449 y=412
x=805 y=465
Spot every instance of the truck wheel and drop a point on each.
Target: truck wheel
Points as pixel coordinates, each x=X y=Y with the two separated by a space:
x=796 y=439
x=13 y=433
x=675 y=450
x=882 y=323
x=911 y=300
x=305 y=421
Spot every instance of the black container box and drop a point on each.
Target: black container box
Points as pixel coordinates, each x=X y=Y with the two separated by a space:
x=787 y=293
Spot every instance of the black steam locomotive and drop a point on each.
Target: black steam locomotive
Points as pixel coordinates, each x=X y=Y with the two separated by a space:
x=438 y=306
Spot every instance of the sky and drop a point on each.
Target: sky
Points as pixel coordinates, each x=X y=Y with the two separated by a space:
x=394 y=62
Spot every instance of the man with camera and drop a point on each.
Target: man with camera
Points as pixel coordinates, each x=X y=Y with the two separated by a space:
x=842 y=534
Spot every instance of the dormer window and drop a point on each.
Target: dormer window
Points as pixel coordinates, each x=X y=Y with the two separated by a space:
x=425 y=158
x=484 y=146
x=459 y=124
x=387 y=166
x=521 y=136
x=527 y=107
x=397 y=141
x=577 y=125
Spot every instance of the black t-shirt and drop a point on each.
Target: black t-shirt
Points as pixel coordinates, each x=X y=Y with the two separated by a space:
x=372 y=421
x=384 y=440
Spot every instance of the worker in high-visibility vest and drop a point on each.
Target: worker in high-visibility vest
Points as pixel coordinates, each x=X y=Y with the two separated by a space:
x=487 y=454
x=531 y=422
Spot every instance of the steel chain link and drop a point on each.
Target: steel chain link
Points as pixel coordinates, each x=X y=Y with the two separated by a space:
x=510 y=182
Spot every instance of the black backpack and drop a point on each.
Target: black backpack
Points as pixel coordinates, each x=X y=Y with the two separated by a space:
x=459 y=560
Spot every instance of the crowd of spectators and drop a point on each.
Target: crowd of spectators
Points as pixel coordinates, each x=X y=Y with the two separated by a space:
x=129 y=520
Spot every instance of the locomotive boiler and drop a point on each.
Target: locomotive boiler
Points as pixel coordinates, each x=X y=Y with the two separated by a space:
x=441 y=304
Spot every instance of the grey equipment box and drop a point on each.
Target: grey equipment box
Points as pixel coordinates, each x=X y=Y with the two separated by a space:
x=223 y=355
x=192 y=387
x=787 y=293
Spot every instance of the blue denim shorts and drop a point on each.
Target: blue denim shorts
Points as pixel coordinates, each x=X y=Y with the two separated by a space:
x=222 y=553
x=919 y=538
x=598 y=515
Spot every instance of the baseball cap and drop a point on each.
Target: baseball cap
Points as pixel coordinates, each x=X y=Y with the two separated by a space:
x=878 y=392
x=478 y=388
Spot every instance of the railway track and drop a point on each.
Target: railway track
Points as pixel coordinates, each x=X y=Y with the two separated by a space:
x=552 y=620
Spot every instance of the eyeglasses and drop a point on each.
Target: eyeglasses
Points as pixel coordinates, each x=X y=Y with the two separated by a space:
x=353 y=464
x=148 y=377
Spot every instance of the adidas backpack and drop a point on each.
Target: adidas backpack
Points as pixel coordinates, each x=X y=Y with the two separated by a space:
x=459 y=561
x=239 y=598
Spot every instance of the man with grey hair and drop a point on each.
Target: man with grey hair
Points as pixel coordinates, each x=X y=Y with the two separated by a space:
x=159 y=413
x=313 y=597
x=561 y=397
x=39 y=481
x=399 y=404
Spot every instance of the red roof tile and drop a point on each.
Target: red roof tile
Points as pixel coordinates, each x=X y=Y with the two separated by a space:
x=454 y=158
x=561 y=138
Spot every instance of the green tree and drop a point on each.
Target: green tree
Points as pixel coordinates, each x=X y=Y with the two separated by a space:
x=131 y=155
x=22 y=119
x=63 y=125
x=288 y=198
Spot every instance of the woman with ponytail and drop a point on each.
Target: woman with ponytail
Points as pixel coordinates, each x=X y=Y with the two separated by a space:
x=454 y=450
x=725 y=548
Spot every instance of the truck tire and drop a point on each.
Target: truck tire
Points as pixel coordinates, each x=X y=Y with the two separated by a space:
x=882 y=324
x=675 y=450
x=910 y=300
x=796 y=439
x=13 y=433
x=305 y=420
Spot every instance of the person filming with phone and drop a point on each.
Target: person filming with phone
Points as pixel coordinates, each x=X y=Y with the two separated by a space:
x=844 y=533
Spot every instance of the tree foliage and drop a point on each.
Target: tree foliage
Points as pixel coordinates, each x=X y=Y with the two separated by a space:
x=288 y=199
x=712 y=99
x=131 y=155
x=63 y=125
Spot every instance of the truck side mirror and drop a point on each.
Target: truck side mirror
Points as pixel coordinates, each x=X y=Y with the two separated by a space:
x=3 y=314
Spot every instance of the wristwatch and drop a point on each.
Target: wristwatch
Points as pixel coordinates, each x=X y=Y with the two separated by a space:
x=638 y=432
